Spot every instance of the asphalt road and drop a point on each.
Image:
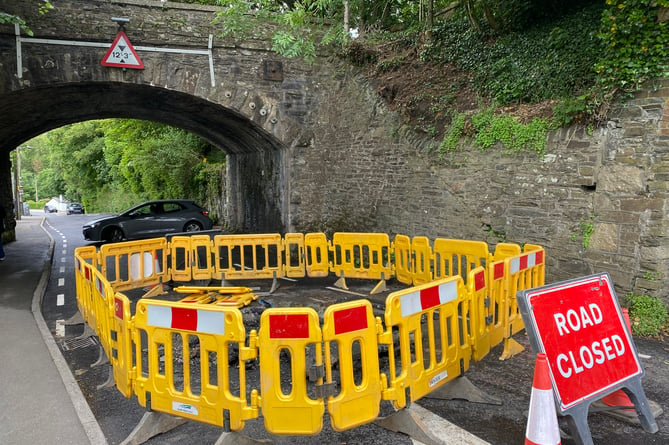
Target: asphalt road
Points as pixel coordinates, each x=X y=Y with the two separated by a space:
x=509 y=380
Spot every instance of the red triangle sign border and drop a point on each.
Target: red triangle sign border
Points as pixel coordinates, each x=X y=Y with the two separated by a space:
x=110 y=54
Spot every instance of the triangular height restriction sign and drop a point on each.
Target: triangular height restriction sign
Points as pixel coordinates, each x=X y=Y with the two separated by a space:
x=121 y=54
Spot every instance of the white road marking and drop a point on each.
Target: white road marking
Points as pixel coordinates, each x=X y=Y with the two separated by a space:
x=60 y=299
x=61 y=282
x=60 y=328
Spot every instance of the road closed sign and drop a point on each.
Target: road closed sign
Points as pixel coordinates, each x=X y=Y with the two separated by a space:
x=581 y=328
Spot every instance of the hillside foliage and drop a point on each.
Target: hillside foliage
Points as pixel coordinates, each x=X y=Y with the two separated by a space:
x=479 y=73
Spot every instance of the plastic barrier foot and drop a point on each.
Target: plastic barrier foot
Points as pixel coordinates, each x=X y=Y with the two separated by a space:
x=427 y=427
x=110 y=379
x=234 y=438
x=511 y=348
x=152 y=424
x=380 y=287
x=155 y=291
x=77 y=318
x=102 y=358
x=275 y=286
x=88 y=332
x=341 y=283
x=462 y=388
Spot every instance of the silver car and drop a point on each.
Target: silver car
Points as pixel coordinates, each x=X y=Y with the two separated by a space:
x=150 y=219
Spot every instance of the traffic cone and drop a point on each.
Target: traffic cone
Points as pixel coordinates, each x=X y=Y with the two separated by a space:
x=542 y=424
x=156 y=263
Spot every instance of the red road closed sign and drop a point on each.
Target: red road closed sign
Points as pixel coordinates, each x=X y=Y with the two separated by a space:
x=580 y=327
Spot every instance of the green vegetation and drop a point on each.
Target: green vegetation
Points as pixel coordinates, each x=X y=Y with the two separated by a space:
x=586 y=230
x=43 y=6
x=648 y=315
x=109 y=165
x=566 y=61
x=488 y=129
x=578 y=57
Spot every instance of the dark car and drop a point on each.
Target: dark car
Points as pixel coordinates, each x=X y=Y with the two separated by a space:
x=150 y=220
x=50 y=209
x=74 y=207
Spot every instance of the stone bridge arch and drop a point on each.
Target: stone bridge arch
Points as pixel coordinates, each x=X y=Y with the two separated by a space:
x=254 y=193
x=246 y=101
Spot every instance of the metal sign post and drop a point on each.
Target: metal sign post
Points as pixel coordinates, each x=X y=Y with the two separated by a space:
x=580 y=327
x=121 y=54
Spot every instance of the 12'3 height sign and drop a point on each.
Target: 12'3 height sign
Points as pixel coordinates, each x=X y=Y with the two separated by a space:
x=121 y=54
x=581 y=328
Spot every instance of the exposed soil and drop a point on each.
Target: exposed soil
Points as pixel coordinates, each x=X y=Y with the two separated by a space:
x=427 y=94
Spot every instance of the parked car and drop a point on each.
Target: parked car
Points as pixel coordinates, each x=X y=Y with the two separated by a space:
x=149 y=220
x=74 y=207
x=48 y=208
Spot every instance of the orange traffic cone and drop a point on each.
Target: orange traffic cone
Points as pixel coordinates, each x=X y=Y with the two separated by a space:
x=542 y=424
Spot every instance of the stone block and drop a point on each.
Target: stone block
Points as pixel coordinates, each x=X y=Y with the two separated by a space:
x=616 y=178
x=605 y=237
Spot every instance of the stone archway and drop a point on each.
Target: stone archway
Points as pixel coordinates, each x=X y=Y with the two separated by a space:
x=255 y=160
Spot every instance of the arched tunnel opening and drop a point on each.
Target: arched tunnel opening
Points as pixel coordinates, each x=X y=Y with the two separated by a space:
x=254 y=189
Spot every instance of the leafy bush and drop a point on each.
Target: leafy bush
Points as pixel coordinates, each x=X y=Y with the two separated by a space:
x=453 y=134
x=635 y=45
x=648 y=315
x=489 y=129
x=547 y=61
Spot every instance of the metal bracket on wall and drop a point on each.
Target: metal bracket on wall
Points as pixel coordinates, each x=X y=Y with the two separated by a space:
x=20 y=40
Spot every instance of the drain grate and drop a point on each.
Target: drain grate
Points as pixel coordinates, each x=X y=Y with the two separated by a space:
x=76 y=343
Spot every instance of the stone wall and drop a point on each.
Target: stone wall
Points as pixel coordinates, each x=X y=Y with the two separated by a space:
x=596 y=201
x=332 y=157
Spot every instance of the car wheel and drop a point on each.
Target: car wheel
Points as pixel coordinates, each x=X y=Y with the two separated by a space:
x=192 y=226
x=114 y=235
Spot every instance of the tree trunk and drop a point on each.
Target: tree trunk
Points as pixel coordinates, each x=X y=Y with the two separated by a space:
x=346 y=13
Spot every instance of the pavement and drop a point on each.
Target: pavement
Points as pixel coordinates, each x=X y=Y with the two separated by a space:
x=40 y=400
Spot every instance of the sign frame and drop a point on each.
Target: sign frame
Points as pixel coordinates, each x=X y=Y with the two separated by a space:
x=548 y=324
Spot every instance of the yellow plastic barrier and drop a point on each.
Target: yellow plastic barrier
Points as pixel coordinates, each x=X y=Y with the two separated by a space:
x=181 y=357
x=482 y=313
x=433 y=341
x=402 y=260
x=249 y=256
x=101 y=309
x=521 y=272
x=422 y=260
x=191 y=258
x=221 y=296
x=504 y=250
x=85 y=261
x=294 y=263
x=167 y=337
x=317 y=259
x=201 y=257
x=180 y=262
x=458 y=257
x=361 y=255
x=352 y=327
x=120 y=338
x=134 y=264
x=286 y=334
